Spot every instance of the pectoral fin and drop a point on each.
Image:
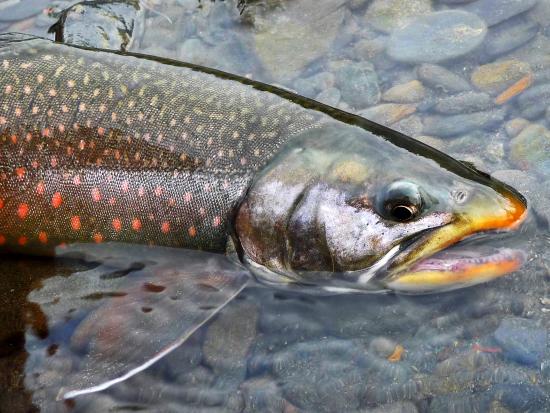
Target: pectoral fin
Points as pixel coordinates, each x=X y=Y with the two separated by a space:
x=147 y=302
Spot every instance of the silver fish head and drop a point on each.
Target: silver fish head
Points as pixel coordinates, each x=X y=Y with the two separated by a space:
x=343 y=208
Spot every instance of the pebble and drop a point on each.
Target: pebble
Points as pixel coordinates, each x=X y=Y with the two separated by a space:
x=410 y=92
x=522 y=340
x=313 y=85
x=368 y=49
x=388 y=15
x=506 y=37
x=20 y=10
x=448 y=126
x=530 y=149
x=515 y=126
x=411 y=126
x=496 y=11
x=437 y=77
x=387 y=113
x=465 y=102
x=538 y=95
x=495 y=77
x=330 y=96
x=400 y=407
x=358 y=83
x=437 y=37
x=382 y=346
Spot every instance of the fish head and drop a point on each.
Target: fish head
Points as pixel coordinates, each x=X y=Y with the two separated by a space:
x=345 y=209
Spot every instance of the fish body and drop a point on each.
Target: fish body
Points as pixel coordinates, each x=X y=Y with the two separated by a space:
x=99 y=146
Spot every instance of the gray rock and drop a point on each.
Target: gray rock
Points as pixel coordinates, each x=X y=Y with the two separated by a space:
x=515 y=126
x=387 y=15
x=358 y=83
x=531 y=148
x=437 y=37
x=438 y=77
x=496 y=77
x=330 y=96
x=400 y=407
x=262 y=395
x=411 y=125
x=508 y=36
x=387 y=113
x=410 y=92
x=382 y=346
x=20 y=10
x=539 y=95
x=496 y=11
x=448 y=126
x=522 y=340
x=466 y=102
x=313 y=85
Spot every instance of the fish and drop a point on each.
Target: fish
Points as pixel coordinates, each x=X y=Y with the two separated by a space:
x=101 y=149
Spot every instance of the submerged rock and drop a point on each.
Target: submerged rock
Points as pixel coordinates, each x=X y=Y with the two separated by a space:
x=448 y=126
x=409 y=92
x=496 y=11
x=506 y=37
x=531 y=148
x=466 y=102
x=358 y=83
x=522 y=340
x=387 y=15
x=15 y=11
x=438 y=77
x=495 y=77
x=437 y=37
x=388 y=113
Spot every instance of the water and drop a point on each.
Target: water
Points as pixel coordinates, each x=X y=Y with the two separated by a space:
x=482 y=99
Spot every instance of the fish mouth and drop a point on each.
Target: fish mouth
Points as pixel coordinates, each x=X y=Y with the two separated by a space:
x=458 y=254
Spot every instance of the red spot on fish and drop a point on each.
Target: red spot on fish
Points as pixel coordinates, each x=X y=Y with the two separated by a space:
x=76 y=180
x=171 y=202
x=136 y=224
x=2 y=120
x=46 y=132
x=483 y=349
x=40 y=188
x=61 y=127
x=158 y=191
x=22 y=211
x=53 y=162
x=98 y=238
x=22 y=241
x=187 y=197
x=1 y=203
x=117 y=224
x=13 y=138
x=2 y=240
x=43 y=237
x=96 y=194
x=165 y=227
x=75 y=223
x=20 y=172
x=192 y=231
x=101 y=131
x=141 y=191
x=217 y=221
x=34 y=164
x=18 y=112
x=57 y=200
x=125 y=186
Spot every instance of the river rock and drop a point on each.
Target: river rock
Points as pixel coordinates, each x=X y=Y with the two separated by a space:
x=496 y=11
x=387 y=15
x=313 y=85
x=465 y=102
x=515 y=126
x=437 y=37
x=438 y=77
x=330 y=96
x=505 y=37
x=15 y=11
x=358 y=83
x=531 y=148
x=495 y=77
x=409 y=92
x=448 y=126
x=387 y=113
x=522 y=340
x=286 y=41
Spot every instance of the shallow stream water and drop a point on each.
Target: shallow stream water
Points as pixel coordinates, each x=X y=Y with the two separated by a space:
x=471 y=78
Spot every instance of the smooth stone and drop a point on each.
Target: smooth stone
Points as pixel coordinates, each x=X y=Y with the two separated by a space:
x=410 y=92
x=448 y=126
x=388 y=15
x=11 y=11
x=330 y=96
x=382 y=346
x=316 y=23
x=262 y=394
x=531 y=148
x=496 y=77
x=514 y=126
x=387 y=113
x=368 y=49
x=439 y=78
x=358 y=83
x=506 y=37
x=411 y=125
x=313 y=85
x=437 y=37
x=399 y=407
x=466 y=102
x=539 y=95
x=522 y=340
x=496 y=11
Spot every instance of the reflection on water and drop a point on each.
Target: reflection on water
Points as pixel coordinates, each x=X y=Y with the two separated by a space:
x=470 y=78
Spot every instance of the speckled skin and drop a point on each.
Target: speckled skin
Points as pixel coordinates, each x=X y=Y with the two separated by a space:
x=97 y=146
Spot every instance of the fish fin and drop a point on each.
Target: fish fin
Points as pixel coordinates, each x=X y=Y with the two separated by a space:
x=151 y=300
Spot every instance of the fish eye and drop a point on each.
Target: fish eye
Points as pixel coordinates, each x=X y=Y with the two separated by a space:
x=401 y=201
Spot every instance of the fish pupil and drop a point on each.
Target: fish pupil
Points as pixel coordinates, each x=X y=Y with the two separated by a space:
x=402 y=212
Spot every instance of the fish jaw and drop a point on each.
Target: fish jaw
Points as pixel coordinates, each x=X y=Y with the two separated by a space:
x=424 y=266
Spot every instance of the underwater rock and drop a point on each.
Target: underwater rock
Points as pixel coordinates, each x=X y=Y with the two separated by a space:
x=508 y=36
x=466 y=102
x=495 y=77
x=387 y=15
x=437 y=37
x=313 y=85
x=388 y=113
x=410 y=92
x=437 y=77
x=20 y=10
x=330 y=96
x=358 y=83
x=448 y=126
x=496 y=11
x=522 y=340
x=531 y=148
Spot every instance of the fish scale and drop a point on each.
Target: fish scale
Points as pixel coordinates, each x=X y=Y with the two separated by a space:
x=97 y=146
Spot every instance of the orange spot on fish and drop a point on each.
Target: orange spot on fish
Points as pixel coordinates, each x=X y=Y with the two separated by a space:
x=22 y=211
x=20 y=172
x=34 y=164
x=40 y=188
x=192 y=231
x=22 y=241
x=2 y=239
x=18 y=112
x=101 y=131
x=96 y=194
x=397 y=354
x=117 y=224
x=43 y=237
x=98 y=238
x=136 y=224
x=165 y=227
x=13 y=138
x=1 y=203
x=57 y=200
x=46 y=132
x=75 y=223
